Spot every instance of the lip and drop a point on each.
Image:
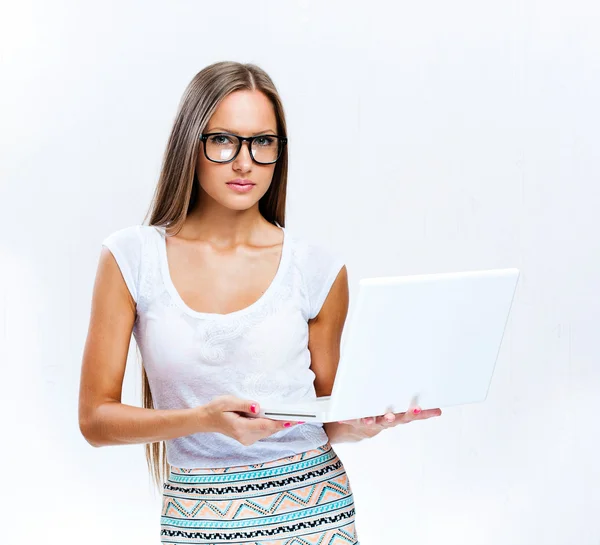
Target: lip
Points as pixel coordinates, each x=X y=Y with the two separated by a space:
x=241 y=182
x=240 y=188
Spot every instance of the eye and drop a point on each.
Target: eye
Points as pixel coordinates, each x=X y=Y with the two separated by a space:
x=264 y=140
x=220 y=139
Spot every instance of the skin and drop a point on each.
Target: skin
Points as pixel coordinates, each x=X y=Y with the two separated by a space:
x=225 y=244
x=226 y=232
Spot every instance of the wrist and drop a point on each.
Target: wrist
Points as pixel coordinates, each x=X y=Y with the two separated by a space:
x=201 y=419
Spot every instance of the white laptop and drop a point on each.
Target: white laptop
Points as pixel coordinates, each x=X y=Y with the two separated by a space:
x=429 y=340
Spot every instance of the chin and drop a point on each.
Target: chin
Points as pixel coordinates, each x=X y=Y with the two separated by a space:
x=243 y=200
x=238 y=202
x=239 y=206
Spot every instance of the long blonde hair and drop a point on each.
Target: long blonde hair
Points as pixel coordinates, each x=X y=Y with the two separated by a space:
x=177 y=190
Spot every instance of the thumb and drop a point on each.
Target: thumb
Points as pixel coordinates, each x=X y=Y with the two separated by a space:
x=248 y=406
x=229 y=403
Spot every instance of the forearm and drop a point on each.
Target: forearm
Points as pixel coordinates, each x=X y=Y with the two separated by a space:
x=341 y=433
x=115 y=423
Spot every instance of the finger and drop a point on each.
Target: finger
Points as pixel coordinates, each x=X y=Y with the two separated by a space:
x=235 y=404
x=429 y=413
x=409 y=416
x=265 y=426
x=387 y=419
x=249 y=406
x=283 y=424
x=403 y=418
x=413 y=413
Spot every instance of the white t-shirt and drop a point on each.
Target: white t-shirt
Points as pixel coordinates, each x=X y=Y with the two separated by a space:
x=259 y=352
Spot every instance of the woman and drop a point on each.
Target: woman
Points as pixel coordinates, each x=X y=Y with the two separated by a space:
x=227 y=308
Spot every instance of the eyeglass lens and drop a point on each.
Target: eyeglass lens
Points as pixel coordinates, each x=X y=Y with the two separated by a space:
x=222 y=147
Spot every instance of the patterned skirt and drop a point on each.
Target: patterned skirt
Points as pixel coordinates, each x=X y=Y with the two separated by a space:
x=304 y=499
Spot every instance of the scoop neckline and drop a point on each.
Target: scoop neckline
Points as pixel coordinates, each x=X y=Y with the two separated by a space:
x=170 y=286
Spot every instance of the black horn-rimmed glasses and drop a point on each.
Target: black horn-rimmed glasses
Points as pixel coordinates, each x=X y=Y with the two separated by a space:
x=224 y=147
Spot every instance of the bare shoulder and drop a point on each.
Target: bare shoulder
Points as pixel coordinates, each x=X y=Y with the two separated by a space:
x=335 y=306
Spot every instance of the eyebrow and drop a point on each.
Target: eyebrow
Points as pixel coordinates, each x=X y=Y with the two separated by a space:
x=233 y=132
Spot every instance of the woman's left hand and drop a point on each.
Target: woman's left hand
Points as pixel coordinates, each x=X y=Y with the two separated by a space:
x=371 y=426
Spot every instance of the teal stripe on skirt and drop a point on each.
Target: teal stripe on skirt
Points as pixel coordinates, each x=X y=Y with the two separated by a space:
x=304 y=499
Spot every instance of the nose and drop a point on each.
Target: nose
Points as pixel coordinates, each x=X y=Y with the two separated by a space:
x=243 y=158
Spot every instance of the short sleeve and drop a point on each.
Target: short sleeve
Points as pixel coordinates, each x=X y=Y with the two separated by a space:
x=126 y=247
x=321 y=267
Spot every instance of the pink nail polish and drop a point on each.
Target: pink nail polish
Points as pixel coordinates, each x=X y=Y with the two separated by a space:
x=416 y=411
x=287 y=425
x=301 y=422
x=253 y=408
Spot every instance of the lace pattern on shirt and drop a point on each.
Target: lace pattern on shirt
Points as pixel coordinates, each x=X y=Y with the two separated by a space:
x=215 y=338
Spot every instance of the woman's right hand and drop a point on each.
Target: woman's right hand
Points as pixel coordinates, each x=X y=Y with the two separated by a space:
x=227 y=415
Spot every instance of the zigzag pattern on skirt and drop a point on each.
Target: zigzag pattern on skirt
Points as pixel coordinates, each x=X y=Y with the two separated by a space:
x=304 y=499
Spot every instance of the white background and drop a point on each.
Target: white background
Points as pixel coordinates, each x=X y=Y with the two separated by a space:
x=484 y=117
